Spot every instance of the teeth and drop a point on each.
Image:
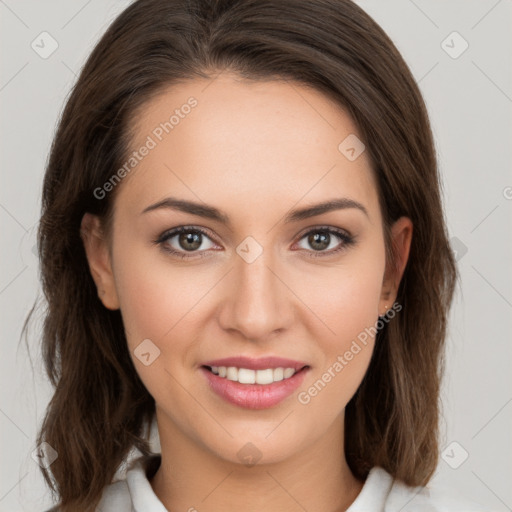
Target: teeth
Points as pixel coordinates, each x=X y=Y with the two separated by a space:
x=265 y=376
x=288 y=372
x=278 y=374
x=232 y=373
x=247 y=376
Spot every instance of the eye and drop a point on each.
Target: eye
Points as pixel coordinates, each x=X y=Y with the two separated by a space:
x=325 y=241
x=193 y=242
x=183 y=240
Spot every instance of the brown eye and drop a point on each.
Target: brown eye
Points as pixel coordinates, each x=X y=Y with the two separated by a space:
x=183 y=240
x=325 y=241
x=190 y=241
x=319 y=241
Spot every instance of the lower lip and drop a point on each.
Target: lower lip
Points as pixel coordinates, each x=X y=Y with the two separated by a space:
x=254 y=396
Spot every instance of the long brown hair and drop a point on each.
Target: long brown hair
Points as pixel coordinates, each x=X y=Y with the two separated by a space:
x=100 y=408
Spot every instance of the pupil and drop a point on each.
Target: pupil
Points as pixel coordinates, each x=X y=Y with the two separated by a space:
x=319 y=240
x=194 y=239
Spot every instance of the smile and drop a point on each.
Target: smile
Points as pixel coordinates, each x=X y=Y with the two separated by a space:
x=248 y=376
x=252 y=383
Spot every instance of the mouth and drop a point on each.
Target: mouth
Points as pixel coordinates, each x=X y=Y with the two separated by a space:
x=254 y=383
x=249 y=376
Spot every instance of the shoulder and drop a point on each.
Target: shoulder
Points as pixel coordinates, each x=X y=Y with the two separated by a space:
x=134 y=490
x=115 y=498
x=384 y=493
x=431 y=498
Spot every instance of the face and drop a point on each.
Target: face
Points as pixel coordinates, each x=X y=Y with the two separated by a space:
x=249 y=276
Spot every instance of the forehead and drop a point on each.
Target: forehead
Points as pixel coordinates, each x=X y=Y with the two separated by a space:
x=231 y=139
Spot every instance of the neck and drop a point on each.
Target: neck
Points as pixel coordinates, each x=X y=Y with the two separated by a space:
x=192 y=478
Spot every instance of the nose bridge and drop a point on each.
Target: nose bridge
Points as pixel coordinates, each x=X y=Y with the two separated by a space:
x=258 y=304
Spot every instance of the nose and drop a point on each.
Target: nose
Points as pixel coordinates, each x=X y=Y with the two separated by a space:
x=258 y=302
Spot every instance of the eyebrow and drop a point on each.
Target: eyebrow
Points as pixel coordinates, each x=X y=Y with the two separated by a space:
x=210 y=212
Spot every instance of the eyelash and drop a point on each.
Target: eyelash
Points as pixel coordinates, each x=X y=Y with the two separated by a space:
x=347 y=241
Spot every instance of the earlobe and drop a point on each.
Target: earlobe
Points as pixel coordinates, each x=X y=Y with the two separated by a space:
x=98 y=257
x=401 y=237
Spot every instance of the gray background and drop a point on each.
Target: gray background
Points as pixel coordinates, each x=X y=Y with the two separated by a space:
x=469 y=99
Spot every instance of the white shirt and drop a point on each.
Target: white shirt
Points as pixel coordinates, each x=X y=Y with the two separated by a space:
x=379 y=494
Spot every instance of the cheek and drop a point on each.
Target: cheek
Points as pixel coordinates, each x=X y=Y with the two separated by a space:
x=328 y=391
x=344 y=297
x=350 y=312
x=158 y=303
x=155 y=295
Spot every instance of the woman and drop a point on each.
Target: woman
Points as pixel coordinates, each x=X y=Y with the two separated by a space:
x=242 y=239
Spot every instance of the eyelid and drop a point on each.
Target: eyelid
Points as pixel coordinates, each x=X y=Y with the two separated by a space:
x=173 y=232
x=168 y=233
x=324 y=227
x=347 y=239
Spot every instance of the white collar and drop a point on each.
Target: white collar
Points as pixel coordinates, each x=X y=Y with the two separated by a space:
x=372 y=496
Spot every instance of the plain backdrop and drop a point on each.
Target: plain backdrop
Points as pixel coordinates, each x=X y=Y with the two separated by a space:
x=469 y=96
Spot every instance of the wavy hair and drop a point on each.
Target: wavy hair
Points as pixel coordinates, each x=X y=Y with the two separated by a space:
x=100 y=408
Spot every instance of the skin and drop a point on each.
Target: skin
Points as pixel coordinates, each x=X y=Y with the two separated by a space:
x=254 y=150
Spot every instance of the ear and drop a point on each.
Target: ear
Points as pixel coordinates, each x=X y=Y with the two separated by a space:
x=98 y=256
x=401 y=236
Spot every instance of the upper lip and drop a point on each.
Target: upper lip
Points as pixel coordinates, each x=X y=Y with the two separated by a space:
x=260 y=363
